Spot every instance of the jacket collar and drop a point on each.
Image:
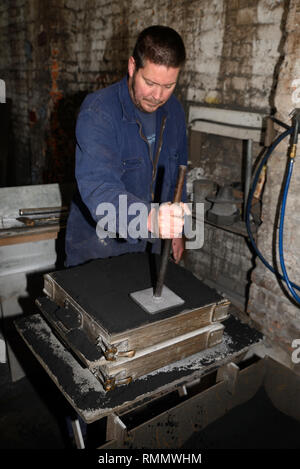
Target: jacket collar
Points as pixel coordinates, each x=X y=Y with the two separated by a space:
x=128 y=107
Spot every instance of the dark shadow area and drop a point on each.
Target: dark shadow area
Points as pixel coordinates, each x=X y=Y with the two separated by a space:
x=257 y=424
x=34 y=416
x=7 y=162
x=61 y=141
x=33 y=412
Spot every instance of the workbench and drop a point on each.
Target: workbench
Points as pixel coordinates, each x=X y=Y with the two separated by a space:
x=176 y=391
x=235 y=380
x=26 y=253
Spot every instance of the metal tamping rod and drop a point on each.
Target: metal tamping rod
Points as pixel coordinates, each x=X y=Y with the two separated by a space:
x=41 y=210
x=168 y=242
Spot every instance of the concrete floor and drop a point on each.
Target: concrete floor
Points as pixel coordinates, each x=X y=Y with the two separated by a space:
x=33 y=415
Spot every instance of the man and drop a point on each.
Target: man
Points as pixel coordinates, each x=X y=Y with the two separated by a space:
x=131 y=139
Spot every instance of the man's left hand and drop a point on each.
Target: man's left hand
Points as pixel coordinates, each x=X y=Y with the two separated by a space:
x=178 y=245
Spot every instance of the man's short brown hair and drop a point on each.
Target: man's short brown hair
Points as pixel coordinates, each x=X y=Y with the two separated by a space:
x=161 y=45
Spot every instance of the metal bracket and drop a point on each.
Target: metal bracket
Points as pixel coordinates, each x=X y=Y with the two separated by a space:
x=111 y=352
x=229 y=373
x=77 y=434
x=295 y=114
x=115 y=428
x=182 y=391
x=109 y=383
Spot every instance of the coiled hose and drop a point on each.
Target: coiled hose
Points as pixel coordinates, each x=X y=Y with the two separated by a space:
x=291 y=286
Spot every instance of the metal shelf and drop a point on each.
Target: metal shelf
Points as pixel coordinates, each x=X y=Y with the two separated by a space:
x=238 y=228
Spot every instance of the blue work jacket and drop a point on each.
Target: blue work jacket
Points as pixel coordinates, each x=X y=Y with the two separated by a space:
x=112 y=159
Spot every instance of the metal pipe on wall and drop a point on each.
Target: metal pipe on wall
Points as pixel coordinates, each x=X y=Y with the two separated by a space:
x=248 y=171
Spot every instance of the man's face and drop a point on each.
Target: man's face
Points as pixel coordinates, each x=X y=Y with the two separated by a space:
x=151 y=86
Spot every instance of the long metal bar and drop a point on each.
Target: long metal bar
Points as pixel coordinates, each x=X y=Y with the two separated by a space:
x=42 y=210
x=168 y=242
x=248 y=171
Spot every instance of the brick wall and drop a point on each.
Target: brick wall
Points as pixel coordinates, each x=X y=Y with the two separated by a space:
x=224 y=263
x=234 y=56
x=54 y=52
x=270 y=304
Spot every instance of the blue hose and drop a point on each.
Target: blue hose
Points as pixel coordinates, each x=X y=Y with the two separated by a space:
x=291 y=285
x=282 y=263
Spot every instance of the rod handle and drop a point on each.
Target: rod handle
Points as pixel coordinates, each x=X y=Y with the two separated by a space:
x=168 y=242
